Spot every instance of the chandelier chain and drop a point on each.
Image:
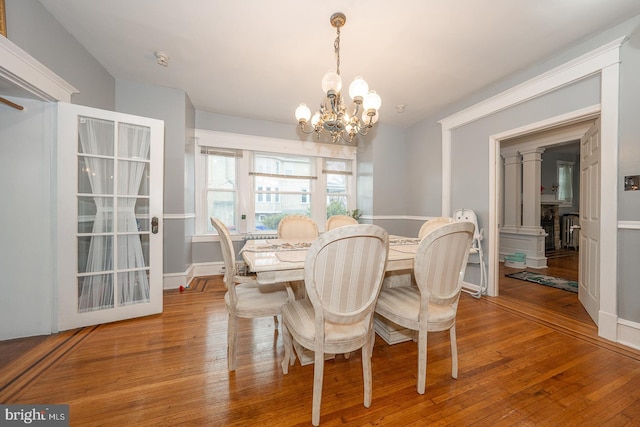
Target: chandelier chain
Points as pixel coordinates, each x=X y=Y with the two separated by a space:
x=336 y=48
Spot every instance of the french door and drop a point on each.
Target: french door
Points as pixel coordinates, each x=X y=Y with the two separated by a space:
x=109 y=211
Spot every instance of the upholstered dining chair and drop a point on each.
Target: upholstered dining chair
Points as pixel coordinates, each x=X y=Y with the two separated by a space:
x=432 y=224
x=297 y=227
x=244 y=297
x=336 y=221
x=343 y=274
x=432 y=305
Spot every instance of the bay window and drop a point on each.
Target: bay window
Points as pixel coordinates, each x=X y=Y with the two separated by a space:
x=251 y=182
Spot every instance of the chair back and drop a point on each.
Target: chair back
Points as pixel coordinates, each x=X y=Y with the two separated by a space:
x=432 y=224
x=228 y=255
x=297 y=227
x=470 y=216
x=343 y=273
x=441 y=261
x=336 y=221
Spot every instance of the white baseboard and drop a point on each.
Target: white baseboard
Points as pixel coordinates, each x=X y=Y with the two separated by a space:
x=175 y=280
x=608 y=326
x=629 y=333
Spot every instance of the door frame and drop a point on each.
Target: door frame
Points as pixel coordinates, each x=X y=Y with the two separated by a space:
x=567 y=127
x=604 y=62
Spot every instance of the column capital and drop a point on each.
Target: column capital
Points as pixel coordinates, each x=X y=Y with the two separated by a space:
x=532 y=153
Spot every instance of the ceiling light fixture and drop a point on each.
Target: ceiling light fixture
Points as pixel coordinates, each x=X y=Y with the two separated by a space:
x=332 y=115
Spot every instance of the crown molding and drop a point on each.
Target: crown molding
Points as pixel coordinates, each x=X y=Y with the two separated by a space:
x=24 y=72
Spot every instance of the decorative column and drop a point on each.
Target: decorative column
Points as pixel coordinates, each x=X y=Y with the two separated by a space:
x=531 y=179
x=512 y=189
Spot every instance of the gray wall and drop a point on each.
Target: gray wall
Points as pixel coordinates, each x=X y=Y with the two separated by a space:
x=26 y=246
x=175 y=108
x=629 y=164
x=35 y=30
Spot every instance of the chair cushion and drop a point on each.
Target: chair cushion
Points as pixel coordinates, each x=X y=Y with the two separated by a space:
x=256 y=300
x=402 y=306
x=300 y=316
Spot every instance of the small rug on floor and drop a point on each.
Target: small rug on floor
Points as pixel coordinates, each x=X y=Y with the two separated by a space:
x=543 y=279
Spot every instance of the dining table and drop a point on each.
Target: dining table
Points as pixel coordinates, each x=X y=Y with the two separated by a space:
x=282 y=260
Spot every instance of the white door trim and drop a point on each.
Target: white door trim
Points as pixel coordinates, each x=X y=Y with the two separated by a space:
x=604 y=61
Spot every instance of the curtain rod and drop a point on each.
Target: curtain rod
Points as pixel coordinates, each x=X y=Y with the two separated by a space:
x=11 y=104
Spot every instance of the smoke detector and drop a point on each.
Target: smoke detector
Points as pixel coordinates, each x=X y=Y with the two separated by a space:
x=163 y=58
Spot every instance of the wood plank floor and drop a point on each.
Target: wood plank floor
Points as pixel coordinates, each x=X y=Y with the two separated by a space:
x=528 y=357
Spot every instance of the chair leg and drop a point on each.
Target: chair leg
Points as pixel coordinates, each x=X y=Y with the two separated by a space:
x=232 y=341
x=454 y=352
x=318 y=373
x=275 y=322
x=289 y=355
x=366 y=374
x=422 y=360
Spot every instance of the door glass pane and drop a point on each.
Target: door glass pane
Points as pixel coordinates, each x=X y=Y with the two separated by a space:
x=95 y=175
x=133 y=287
x=95 y=254
x=141 y=209
x=134 y=141
x=96 y=136
x=95 y=214
x=133 y=178
x=95 y=292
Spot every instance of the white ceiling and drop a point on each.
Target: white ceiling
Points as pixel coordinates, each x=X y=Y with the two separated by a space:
x=261 y=58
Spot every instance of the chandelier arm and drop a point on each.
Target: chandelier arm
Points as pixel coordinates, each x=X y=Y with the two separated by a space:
x=363 y=131
x=302 y=128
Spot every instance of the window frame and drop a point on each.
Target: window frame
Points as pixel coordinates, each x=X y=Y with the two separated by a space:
x=255 y=144
x=561 y=164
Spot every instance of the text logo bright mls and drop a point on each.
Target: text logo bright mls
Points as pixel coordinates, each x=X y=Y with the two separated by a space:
x=40 y=415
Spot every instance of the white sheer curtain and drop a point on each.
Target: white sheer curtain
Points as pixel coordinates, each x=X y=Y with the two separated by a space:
x=96 y=290
x=133 y=284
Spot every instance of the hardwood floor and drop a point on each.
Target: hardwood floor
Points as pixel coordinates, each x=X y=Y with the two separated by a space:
x=528 y=357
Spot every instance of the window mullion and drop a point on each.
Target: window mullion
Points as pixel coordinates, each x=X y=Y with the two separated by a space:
x=246 y=194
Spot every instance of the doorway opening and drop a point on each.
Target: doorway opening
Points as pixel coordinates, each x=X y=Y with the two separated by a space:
x=556 y=137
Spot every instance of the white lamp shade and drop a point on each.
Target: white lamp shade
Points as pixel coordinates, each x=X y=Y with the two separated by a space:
x=358 y=88
x=331 y=81
x=303 y=113
x=315 y=119
x=372 y=101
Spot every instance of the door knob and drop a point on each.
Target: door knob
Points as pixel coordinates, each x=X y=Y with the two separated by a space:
x=154 y=225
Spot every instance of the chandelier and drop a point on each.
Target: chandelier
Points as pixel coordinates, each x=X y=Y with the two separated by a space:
x=332 y=115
